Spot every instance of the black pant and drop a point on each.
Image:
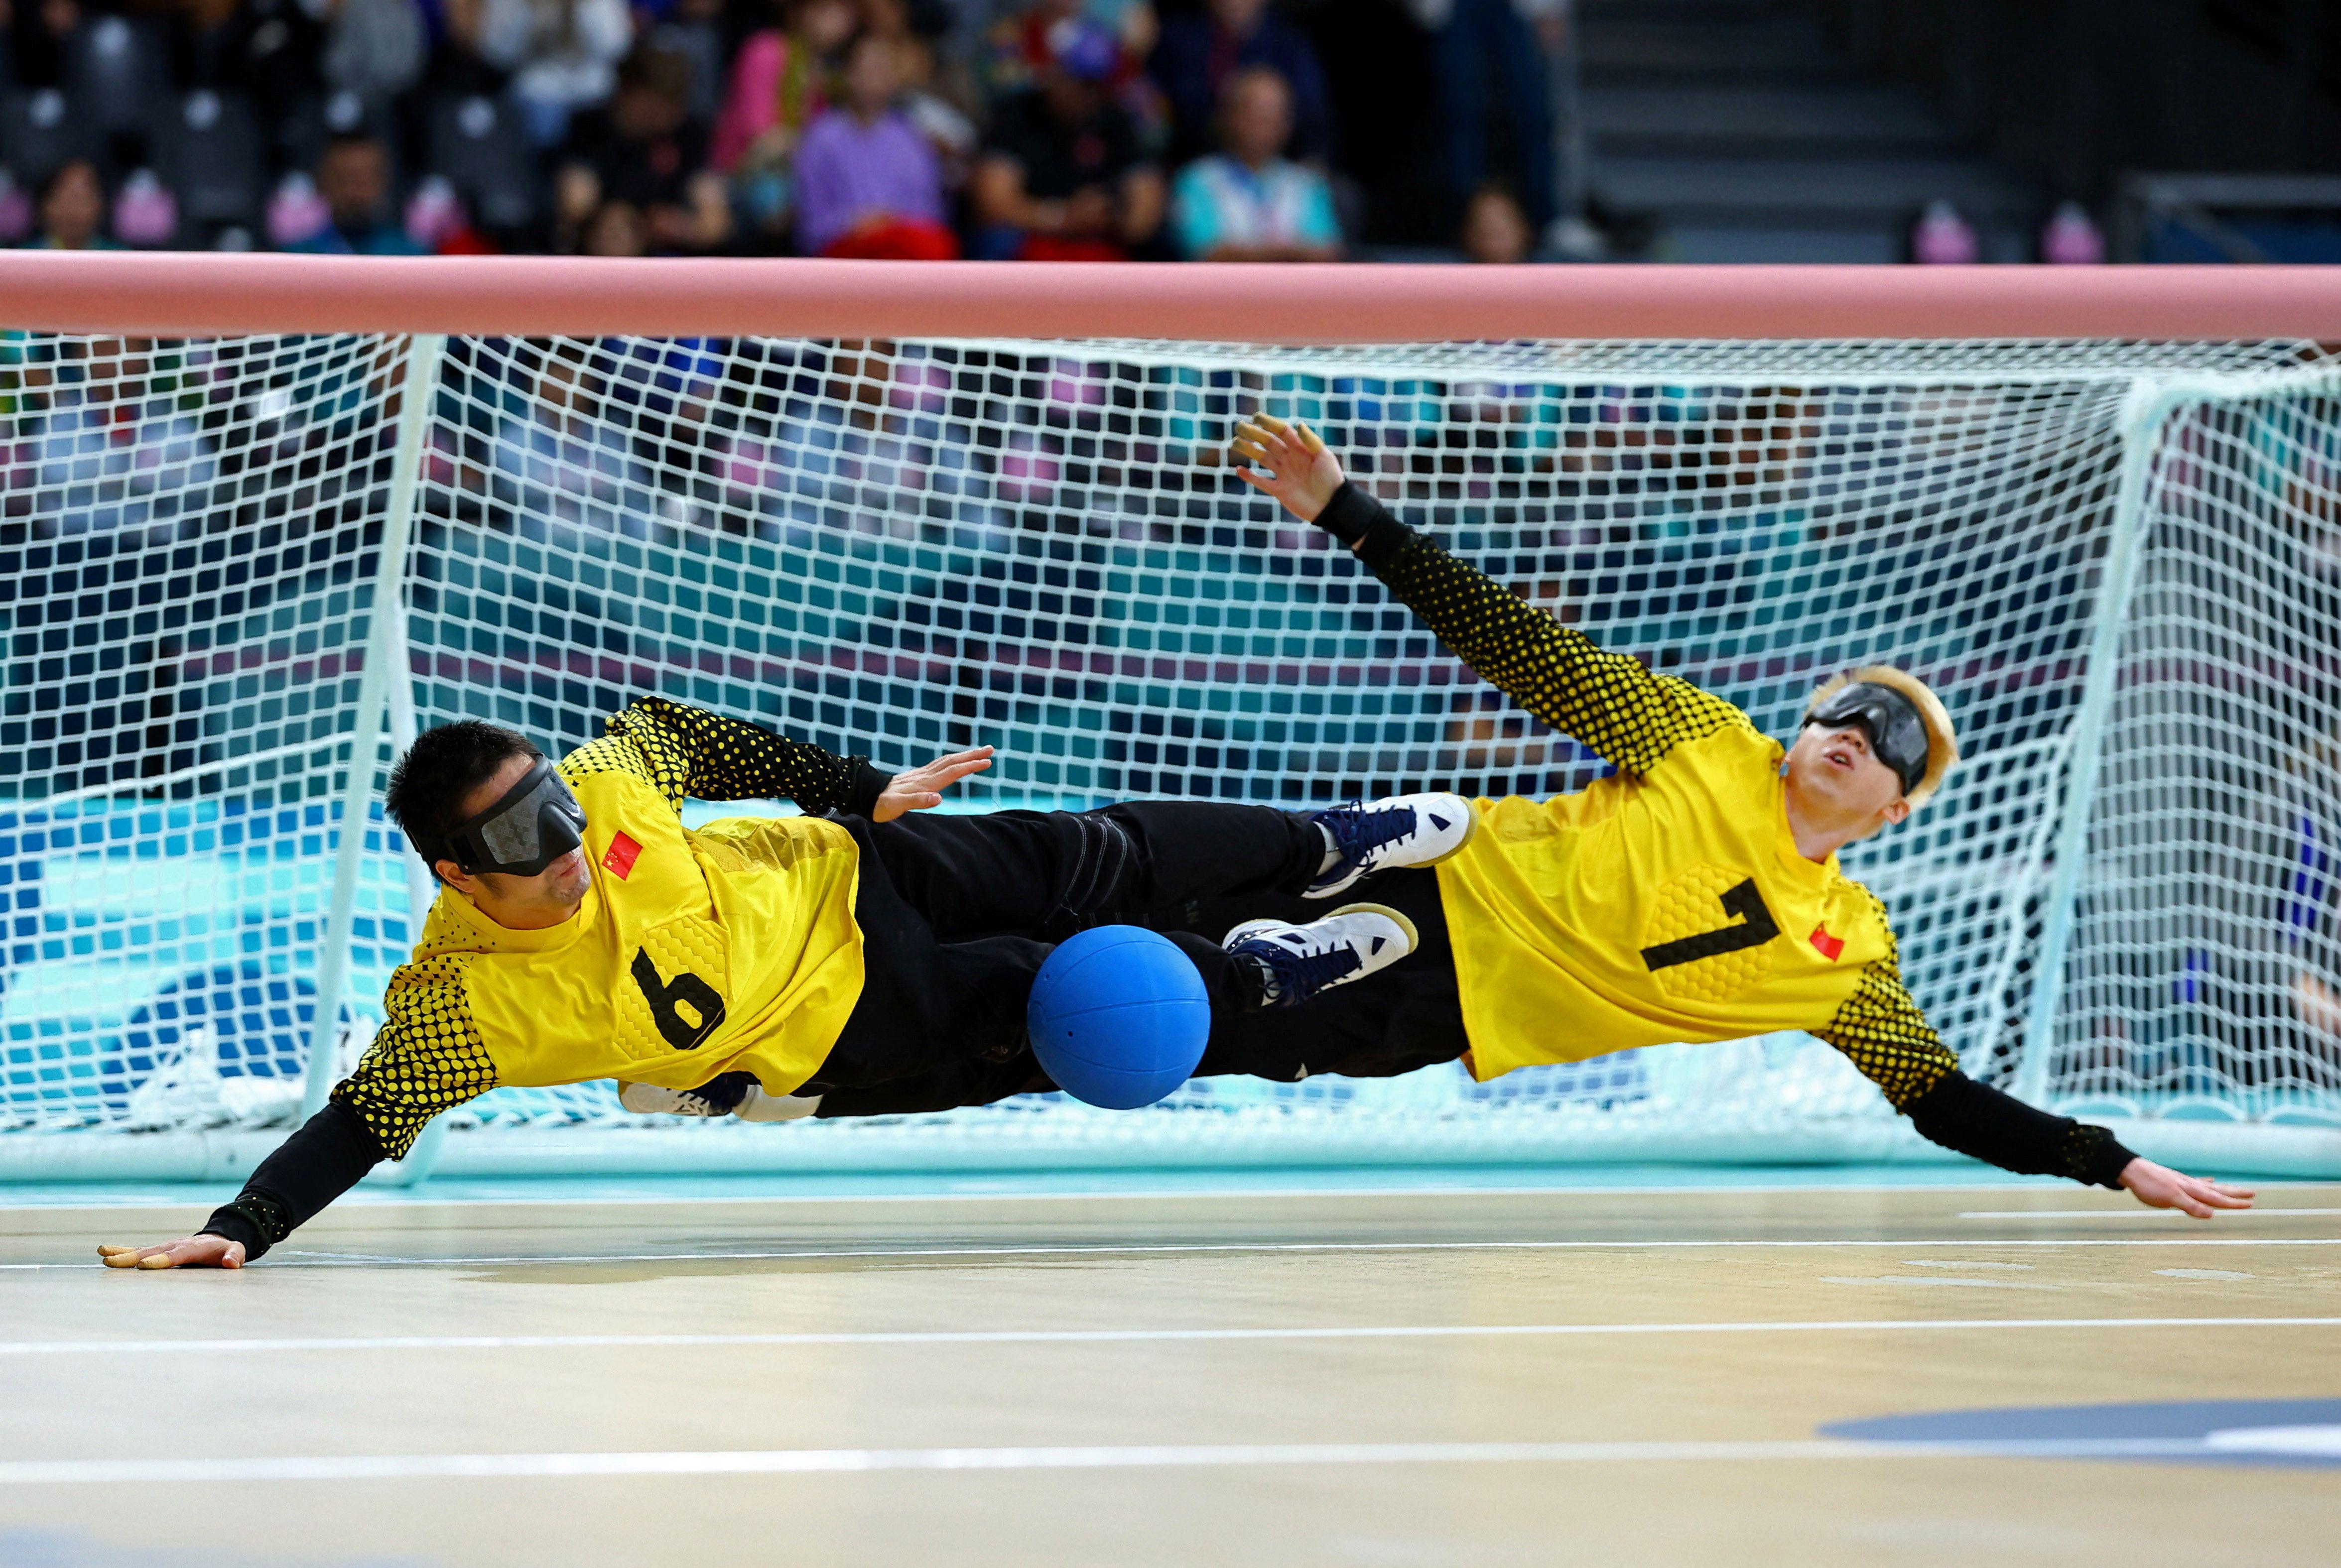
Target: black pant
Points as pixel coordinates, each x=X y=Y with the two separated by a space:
x=1408 y=1016
x=958 y=913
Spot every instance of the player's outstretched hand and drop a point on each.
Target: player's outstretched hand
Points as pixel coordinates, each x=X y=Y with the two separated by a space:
x=195 y=1252
x=919 y=788
x=1289 y=463
x=2159 y=1186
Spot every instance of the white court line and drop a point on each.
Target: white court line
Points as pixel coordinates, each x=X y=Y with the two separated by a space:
x=832 y=1461
x=1118 y=1249
x=2138 y=1213
x=1103 y=1336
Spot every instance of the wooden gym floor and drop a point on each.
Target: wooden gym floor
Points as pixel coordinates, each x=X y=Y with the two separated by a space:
x=1482 y=1378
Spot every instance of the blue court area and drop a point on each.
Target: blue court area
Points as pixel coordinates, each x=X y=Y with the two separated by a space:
x=2272 y=1432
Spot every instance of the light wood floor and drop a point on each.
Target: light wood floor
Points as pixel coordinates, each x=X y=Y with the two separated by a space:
x=1475 y=1378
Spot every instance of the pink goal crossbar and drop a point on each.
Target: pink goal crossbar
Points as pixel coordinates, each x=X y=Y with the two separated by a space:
x=182 y=293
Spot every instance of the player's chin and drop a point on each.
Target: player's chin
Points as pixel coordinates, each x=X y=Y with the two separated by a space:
x=572 y=874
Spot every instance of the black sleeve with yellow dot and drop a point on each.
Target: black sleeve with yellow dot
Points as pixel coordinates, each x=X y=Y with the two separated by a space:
x=685 y=752
x=427 y=1058
x=1612 y=702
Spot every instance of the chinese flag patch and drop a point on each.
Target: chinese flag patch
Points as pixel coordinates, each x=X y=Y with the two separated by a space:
x=1830 y=947
x=623 y=851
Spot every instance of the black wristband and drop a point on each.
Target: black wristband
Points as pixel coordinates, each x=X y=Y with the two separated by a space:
x=1350 y=513
x=2093 y=1156
x=256 y=1220
x=869 y=783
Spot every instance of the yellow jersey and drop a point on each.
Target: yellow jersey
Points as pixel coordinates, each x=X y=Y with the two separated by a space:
x=693 y=954
x=1666 y=902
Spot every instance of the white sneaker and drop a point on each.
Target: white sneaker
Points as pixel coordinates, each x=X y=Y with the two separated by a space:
x=1298 y=961
x=731 y=1095
x=1370 y=836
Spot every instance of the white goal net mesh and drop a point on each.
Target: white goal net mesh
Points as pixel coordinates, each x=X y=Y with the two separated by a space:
x=2120 y=564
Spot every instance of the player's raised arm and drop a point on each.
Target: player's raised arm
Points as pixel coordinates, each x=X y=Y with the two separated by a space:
x=427 y=1058
x=1882 y=1029
x=688 y=752
x=1610 y=701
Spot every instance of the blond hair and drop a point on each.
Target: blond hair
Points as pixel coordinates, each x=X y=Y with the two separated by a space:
x=1942 y=740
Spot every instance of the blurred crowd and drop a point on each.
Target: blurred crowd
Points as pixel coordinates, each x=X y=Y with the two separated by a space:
x=915 y=129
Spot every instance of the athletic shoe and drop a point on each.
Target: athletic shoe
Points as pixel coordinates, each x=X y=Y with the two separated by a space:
x=1296 y=962
x=1382 y=835
x=731 y=1095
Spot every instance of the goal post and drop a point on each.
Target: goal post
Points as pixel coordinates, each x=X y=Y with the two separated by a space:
x=266 y=516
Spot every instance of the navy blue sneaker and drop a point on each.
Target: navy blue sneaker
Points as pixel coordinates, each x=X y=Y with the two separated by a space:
x=1378 y=834
x=1296 y=962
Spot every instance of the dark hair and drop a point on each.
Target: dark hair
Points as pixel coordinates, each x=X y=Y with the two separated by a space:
x=429 y=785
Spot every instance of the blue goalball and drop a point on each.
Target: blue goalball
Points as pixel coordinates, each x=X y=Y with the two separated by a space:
x=1118 y=1016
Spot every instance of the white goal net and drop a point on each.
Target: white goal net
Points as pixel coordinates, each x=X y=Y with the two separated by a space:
x=234 y=573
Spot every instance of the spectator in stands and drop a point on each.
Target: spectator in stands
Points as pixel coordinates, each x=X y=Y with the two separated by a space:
x=268 y=50
x=617 y=229
x=562 y=55
x=694 y=30
x=560 y=463
x=1197 y=53
x=780 y=80
x=456 y=66
x=935 y=94
x=1063 y=177
x=1022 y=45
x=1249 y=204
x=1495 y=230
x=353 y=178
x=867 y=185
x=71 y=210
x=1133 y=22
x=1513 y=41
x=373 y=48
x=647 y=151
x=1016 y=49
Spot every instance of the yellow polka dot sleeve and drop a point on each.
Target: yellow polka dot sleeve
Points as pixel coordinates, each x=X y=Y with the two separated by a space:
x=1610 y=701
x=687 y=752
x=427 y=1058
x=1882 y=1029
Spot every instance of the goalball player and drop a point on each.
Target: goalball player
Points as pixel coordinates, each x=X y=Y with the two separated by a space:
x=846 y=962
x=1693 y=894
